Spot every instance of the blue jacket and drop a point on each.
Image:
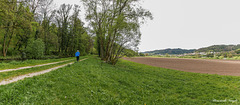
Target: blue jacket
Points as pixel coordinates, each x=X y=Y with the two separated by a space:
x=77 y=54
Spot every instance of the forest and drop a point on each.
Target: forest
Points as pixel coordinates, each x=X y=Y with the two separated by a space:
x=37 y=29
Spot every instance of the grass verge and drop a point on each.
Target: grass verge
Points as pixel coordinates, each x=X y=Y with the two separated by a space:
x=94 y=82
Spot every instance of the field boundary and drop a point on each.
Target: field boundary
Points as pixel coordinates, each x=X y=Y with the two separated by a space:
x=15 y=79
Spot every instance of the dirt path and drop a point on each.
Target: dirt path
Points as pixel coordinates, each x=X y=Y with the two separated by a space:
x=221 y=67
x=15 y=79
x=27 y=67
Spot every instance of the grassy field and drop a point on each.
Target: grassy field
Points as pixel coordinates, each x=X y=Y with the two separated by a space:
x=94 y=82
x=17 y=64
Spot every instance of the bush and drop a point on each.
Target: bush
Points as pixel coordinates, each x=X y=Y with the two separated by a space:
x=221 y=57
x=229 y=55
x=141 y=54
x=237 y=51
x=35 y=49
x=210 y=55
x=235 y=58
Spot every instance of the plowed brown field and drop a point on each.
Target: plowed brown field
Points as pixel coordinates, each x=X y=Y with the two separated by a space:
x=221 y=67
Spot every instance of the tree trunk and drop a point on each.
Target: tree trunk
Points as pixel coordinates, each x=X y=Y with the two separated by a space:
x=4 y=41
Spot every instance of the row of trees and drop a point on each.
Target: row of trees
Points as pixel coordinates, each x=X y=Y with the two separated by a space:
x=21 y=22
x=116 y=24
x=113 y=24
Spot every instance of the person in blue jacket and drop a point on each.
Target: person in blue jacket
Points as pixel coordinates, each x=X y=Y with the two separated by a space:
x=77 y=54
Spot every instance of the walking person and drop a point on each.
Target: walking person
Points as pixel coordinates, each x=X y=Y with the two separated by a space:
x=77 y=54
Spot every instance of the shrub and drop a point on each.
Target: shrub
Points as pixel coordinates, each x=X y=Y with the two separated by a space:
x=235 y=58
x=35 y=49
x=237 y=51
x=221 y=57
x=229 y=55
x=141 y=54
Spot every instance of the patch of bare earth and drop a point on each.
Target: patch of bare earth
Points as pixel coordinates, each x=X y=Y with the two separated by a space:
x=221 y=67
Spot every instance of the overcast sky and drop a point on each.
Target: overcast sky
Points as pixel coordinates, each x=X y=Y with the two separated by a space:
x=188 y=24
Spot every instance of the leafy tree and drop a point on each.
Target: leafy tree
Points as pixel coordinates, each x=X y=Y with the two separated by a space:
x=15 y=18
x=141 y=54
x=63 y=15
x=79 y=38
x=116 y=25
x=35 y=49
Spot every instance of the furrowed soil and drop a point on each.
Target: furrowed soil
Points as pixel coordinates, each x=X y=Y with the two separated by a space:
x=220 y=67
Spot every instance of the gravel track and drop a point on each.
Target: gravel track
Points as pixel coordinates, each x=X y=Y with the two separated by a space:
x=15 y=79
x=27 y=67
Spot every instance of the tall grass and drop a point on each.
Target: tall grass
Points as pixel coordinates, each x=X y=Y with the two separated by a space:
x=93 y=82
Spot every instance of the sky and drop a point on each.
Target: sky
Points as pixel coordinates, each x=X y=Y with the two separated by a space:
x=188 y=24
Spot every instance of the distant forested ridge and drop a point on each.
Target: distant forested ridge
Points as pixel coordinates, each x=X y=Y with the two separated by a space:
x=171 y=51
x=214 y=48
x=219 y=48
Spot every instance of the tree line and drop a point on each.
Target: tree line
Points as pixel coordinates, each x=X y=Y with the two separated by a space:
x=113 y=28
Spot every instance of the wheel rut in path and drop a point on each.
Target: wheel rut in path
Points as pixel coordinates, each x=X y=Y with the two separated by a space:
x=15 y=79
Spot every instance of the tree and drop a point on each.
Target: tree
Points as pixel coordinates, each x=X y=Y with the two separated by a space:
x=116 y=24
x=63 y=23
x=47 y=14
x=79 y=39
x=15 y=18
x=35 y=49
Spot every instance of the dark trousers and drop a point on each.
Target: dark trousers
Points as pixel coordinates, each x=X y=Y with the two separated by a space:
x=77 y=58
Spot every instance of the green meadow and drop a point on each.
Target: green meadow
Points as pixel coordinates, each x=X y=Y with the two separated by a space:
x=93 y=82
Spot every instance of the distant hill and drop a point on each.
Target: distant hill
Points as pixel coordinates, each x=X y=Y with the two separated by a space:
x=214 y=48
x=170 y=51
x=219 y=48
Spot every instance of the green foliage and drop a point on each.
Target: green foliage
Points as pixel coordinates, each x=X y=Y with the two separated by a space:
x=167 y=55
x=141 y=54
x=35 y=49
x=15 y=23
x=210 y=55
x=130 y=53
x=94 y=82
x=219 y=48
x=62 y=32
x=229 y=55
x=197 y=55
x=116 y=26
x=238 y=51
x=221 y=57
